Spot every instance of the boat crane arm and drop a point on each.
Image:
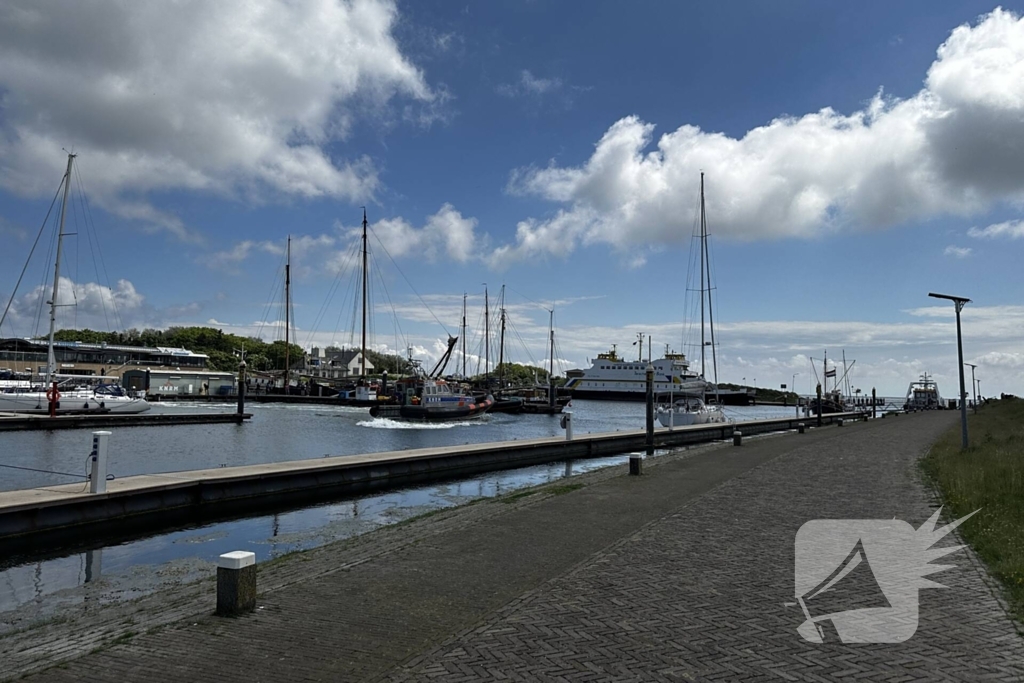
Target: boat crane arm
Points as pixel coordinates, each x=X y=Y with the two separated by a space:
x=443 y=363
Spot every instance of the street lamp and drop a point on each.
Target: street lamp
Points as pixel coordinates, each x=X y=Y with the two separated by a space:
x=959 y=302
x=974 y=386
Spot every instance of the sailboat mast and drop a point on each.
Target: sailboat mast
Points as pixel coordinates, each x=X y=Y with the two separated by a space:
x=362 y=355
x=51 y=359
x=464 y=335
x=501 y=345
x=824 y=374
x=702 y=275
x=287 y=311
x=487 y=338
x=551 y=360
x=711 y=308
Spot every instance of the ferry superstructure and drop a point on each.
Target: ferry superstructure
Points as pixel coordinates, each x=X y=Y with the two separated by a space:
x=611 y=378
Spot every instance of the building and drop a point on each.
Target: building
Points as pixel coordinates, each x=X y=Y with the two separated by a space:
x=28 y=357
x=187 y=382
x=336 y=364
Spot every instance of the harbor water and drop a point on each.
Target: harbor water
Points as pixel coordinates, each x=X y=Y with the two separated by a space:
x=32 y=588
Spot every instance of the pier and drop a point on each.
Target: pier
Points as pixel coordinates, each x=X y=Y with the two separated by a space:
x=20 y=422
x=157 y=500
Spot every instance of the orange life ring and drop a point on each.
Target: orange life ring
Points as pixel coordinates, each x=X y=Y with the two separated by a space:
x=53 y=394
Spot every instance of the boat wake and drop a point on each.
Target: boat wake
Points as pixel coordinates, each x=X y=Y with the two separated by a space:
x=387 y=423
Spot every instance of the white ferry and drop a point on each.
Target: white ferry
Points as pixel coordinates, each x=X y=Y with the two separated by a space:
x=611 y=378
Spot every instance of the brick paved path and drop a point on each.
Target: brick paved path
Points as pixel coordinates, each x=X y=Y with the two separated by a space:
x=682 y=574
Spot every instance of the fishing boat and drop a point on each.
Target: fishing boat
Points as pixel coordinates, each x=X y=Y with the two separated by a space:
x=54 y=395
x=430 y=399
x=427 y=397
x=832 y=399
x=690 y=408
x=923 y=394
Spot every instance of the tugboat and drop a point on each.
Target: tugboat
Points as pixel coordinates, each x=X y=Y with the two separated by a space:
x=427 y=397
x=923 y=394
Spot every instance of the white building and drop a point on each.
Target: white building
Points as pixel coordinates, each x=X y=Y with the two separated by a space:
x=337 y=364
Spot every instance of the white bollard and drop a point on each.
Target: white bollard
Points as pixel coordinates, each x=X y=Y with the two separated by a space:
x=98 y=460
x=567 y=425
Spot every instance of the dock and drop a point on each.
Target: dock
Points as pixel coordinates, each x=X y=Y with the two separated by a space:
x=19 y=422
x=144 y=502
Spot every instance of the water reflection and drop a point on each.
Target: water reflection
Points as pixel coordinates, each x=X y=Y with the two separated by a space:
x=139 y=567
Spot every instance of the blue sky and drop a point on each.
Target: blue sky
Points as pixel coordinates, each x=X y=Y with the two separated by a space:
x=849 y=153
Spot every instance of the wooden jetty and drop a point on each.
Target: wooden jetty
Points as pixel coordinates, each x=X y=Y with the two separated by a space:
x=151 y=501
x=21 y=422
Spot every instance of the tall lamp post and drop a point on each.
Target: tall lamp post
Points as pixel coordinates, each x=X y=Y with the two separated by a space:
x=959 y=302
x=974 y=386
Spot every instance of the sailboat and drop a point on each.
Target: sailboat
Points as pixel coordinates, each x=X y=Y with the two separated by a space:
x=690 y=409
x=49 y=398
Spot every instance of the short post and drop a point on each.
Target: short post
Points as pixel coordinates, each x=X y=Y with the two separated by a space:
x=650 y=409
x=98 y=462
x=236 y=583
x=241 y=388
x=874 y=403
x=801 y=427
x=636 y=464
x=737 y=437
x=567 y=425
x=839 y=422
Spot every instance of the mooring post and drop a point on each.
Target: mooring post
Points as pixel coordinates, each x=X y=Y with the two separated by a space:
x=821 y=408
x=567 y=425
x=840 y=422
x=98 y=462
x=874 y=403
x=737 y=437
x=236 y=583
x=636 y=464
x=650 y=409
x=241 y=388
x=801 y=427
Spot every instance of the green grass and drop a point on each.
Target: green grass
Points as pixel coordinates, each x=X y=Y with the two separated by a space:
x=989 y=475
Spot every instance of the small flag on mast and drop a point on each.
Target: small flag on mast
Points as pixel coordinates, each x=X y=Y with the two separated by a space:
x=830 y=373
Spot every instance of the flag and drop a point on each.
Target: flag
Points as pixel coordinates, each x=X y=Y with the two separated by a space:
x=830 y=373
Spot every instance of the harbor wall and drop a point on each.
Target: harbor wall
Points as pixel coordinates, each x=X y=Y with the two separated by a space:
x=149 y=502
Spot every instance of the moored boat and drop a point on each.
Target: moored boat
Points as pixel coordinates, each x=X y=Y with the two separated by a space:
x=53 y=396
x=687 y=411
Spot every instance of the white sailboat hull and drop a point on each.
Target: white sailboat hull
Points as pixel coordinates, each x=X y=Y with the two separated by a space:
x=77 y=401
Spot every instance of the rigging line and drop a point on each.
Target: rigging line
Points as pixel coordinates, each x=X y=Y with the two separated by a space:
x=94 y=235
x=387 y=295
x=546 y=307
x=271 y=298
x=409 y=283
x=32 y=469
x=346 y=267
x=32 y=251
x=49 y=259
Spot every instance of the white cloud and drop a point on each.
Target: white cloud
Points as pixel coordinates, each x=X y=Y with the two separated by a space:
x=1008 y=229
x=528 y=84
x=80 y=305
x=956 y=147
x=957 y=252
x=446 y=232
x=232 y=97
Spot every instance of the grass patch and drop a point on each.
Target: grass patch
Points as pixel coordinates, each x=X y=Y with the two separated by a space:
x=988 y=475
x=563 y=489
x=513 y=497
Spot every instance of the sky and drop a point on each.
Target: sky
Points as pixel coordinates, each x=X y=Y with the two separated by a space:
x=856 y=158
